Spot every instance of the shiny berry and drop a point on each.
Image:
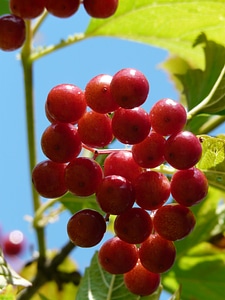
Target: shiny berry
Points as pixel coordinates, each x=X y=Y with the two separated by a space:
x=62 y=8
x=99 y=9
x=27 y=9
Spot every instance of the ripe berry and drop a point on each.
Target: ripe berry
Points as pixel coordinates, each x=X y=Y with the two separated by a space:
x=140 y=281
x=117 y=257
x=86 y=228
x=189 y=187
x=12 y=33
x=27 y=9
x=99 y=9
x=48 y=178
x=133 y=226
x=98 y=95
x=150 y=152
x=173 y=221
x=167 y=117
x=183 y=150
x=122 y=163
x=62 y=8
x=152 y=190
x=95 y=129
x=60 y=142
x=66 y=103
x=115 y=194
x=157 y=254
x=129 y=88
x=83 y=176
x=130 y=126
x=14 y=243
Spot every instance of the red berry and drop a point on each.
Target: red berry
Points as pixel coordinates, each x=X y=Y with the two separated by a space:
x=173 y=221
x=133 y=226
x=95 y=129
x=83 y=176
x=130 y=126
x=157 y=254
x=60 y=142
x=86 y=228
x=122 y=163
x=117 y=257
x=48 y=178
x=183 y=150
x=98 y=95
x=99 y=9
x=129 y=88
x=115 y=194
x=140 y=281
x=167 y=117
x=152 y=190
x=150 y=152
x=62 y=8
x=14 y=243
x=27 y=9
x=189 y=187
x=66 y=103
x=12 y=33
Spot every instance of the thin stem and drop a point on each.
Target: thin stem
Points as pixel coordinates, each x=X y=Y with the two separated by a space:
x=204 y=102
x=211 y=124
x=30 y=124
x=40 y=20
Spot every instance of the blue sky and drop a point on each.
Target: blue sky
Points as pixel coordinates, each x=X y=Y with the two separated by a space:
x=76 y=64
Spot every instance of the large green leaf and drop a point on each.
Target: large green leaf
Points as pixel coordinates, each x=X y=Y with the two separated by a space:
x=169 y=24
x=100 y=285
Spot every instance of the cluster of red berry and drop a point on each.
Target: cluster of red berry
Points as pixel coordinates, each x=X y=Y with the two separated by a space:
x=131 y=185
x=12 y=26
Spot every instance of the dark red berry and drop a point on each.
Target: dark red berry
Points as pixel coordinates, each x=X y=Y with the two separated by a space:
x=86 y=228
x=183 y=150
x=157 y=254
x=167 y=117
x=99 y=9
x=129 y=88
x=98 y=95
x=27 y=9
x=189 y=187
x=14 y=243
x=60 y=142
x=140 y=281
x=62 y=8
x=130 y=126
x=48 y=178
x=133 y=226
x=117 y=257
x=95 y=129
x=150 y=152
x=173 y=221
x=66 y=103
x=115 y=194
x=83 y=176
x=12 y=32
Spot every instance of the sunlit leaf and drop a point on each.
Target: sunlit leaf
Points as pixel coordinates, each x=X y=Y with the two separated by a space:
x=213 y=160
x=172 y=24
x=9 y=277
x=100 y=285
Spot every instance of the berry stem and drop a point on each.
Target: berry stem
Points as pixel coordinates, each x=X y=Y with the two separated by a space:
x=62 y=44
x=40 y=20
x=29 y=102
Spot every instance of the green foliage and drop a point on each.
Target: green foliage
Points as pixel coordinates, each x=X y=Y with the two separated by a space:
x=172 y=25
x=4 y=7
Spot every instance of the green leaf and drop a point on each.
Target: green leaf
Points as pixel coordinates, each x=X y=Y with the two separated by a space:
x=212 y=161
x=201 y=274
x=98 y=284
x=9 y=277
x=42 y=297
x=4 y=7
x=169 y=24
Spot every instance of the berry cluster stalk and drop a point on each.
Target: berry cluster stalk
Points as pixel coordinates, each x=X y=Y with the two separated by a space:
x=27 y=66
